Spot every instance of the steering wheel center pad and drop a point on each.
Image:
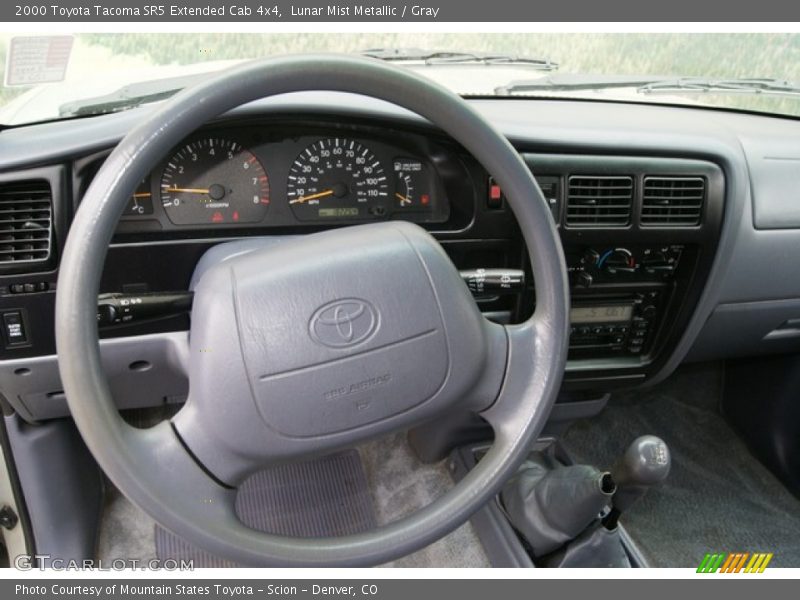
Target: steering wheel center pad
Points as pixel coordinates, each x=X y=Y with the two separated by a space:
x=327 y=340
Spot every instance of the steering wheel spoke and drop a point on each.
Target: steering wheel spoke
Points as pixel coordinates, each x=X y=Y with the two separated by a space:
x=526 y=383
x=193 y=492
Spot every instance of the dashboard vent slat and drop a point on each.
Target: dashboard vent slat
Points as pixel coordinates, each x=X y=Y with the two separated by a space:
x=673 y=201
x=26 y=223
x=599 y=201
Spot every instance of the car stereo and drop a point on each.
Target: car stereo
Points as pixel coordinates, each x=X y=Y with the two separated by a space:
x=621 y=325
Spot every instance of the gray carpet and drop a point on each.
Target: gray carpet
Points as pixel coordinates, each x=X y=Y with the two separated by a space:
x=398 y=483
x=718 y=497
x=401 y=484
x=323 y=497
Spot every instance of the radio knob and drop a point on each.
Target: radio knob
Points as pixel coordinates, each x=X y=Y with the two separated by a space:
x=582 y=279
x=649 y=311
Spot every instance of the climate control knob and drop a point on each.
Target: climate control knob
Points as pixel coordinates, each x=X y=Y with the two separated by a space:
x=590 y=257
x=618 y=260
x=658 y=263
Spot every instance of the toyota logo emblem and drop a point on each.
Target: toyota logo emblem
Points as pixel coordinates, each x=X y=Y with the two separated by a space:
x=343 y=323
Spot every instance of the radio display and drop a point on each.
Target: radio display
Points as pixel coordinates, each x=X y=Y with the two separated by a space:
x=601 y=314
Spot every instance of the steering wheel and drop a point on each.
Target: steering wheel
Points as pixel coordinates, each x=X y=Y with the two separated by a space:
x=271 y=376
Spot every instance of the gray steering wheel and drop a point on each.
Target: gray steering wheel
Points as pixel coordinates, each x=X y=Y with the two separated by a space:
x=269 y=382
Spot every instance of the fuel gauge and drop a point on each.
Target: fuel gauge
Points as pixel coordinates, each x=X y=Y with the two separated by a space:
x=411 y=185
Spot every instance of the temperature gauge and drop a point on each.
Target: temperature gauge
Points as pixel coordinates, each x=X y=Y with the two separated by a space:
x=141 y=202
x=411 y=185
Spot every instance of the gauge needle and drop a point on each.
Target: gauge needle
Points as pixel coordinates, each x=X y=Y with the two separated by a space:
x=187 y=190
x=403 y=199
x=311 y=197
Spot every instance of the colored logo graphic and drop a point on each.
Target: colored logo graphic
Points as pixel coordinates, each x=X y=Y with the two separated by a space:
x=735 y=562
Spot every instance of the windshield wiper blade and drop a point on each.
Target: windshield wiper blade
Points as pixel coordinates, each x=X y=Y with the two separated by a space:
x=649 y=85
x=448 y=57
x=102 y=106
x=574 y=83
x=726 y=86
x=130 y=96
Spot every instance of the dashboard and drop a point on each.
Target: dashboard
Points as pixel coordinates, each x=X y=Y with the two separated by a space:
x=652 y=205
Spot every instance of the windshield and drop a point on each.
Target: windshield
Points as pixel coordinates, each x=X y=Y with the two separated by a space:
x=96 y=73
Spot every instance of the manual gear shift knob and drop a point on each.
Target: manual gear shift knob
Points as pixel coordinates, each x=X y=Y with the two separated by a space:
x=645 y=463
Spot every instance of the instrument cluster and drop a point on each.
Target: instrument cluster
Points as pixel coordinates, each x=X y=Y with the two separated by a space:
x=245 y=177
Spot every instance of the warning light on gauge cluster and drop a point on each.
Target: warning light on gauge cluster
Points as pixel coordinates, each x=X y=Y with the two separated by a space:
x=217 y=217
x=495 y=199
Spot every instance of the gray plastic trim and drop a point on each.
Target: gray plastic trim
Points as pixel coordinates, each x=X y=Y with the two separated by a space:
x=580 y=409
x=33 y=385
x=748 y=329
x=62 y=486
x=17 y=538
x=775 y=173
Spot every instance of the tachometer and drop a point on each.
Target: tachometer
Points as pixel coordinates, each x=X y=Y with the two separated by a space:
x=337 y=178
x=214 y=180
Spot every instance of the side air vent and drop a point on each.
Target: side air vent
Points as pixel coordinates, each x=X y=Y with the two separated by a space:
x=673 y=201
x=599 y=201
x=26 y=223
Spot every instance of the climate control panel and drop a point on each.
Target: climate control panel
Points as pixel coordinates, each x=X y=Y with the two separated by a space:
x=622 y=264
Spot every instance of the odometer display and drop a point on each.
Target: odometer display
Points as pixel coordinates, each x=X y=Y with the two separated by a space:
x=216 y=181
x=339 y=213
x=337 y=178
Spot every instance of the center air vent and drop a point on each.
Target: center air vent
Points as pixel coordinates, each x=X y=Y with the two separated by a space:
x=599 y=201
x=673 y=201
x=26 y=223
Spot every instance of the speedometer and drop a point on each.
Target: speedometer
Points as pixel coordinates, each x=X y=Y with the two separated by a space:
x=337 y=178
x=214 y=180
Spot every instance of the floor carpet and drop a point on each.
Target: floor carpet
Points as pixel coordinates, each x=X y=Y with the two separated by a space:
x=398 y=484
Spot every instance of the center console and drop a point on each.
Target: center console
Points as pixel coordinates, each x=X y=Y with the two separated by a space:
x=608 y=323
x=639 y=237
